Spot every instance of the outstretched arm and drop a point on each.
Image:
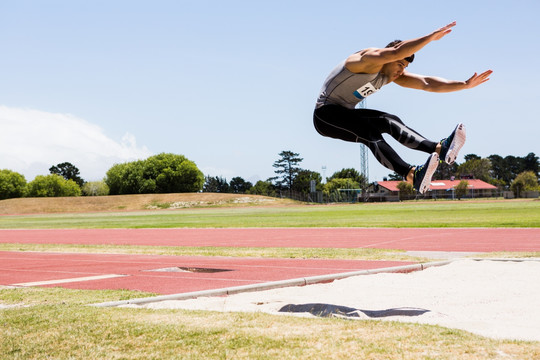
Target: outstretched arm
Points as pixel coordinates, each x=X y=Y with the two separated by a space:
x=372 y=59
x=437 y=84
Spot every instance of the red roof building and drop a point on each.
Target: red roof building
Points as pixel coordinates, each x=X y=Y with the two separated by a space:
x=442 y=185
x=439 y=189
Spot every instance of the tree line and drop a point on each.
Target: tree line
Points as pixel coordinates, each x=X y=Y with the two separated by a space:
x=162 y=173
x=512 y=173
x=170 y=173
x=509 y=173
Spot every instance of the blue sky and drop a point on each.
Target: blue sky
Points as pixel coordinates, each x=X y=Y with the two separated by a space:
x=230 y=84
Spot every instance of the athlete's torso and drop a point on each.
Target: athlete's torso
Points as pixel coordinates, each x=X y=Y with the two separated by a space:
x=345 y=88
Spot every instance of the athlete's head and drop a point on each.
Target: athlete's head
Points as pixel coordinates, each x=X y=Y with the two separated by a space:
x=394 y=43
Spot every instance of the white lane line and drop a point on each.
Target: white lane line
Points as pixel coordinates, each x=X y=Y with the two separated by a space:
x=70 y=280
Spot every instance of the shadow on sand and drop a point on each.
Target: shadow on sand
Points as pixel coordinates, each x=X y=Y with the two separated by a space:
x=329 y=310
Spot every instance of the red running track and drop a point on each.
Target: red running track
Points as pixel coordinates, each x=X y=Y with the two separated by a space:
x=411 y=239
x=26 y=268
x=18 y=268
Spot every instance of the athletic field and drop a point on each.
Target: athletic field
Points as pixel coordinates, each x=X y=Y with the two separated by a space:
x=55 y=265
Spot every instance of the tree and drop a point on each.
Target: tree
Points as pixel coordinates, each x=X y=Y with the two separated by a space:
x=239 y=185
x=162 y=173
x=393 y=177
x=12 y=184
x=216 y=184
x=471 y=157
x=352 y=174
x=340 y=184
x=499 y=171
x=287 y=169
x=406 y=190
x=532 y=163
x=124 y=178
x=266 y=188
x=334 y=189
x=515 y=166
x=508 y=168
x=445 y=171
x=68 y=171
x=302 y=181
x=51 y=186
x=95 y=188
x=526 y=181
x=171 y=173
x=462 y=188
x=477 y=167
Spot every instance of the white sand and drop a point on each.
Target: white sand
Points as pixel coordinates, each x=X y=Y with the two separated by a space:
x=491 y=298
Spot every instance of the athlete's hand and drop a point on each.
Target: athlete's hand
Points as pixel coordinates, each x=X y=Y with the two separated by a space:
x=440 y=33
x=476 y=79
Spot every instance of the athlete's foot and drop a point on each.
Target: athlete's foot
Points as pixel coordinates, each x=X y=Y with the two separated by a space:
x=451 y=146
x=423 y=173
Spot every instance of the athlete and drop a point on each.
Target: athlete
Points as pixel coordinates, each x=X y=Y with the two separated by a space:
x=363 y=73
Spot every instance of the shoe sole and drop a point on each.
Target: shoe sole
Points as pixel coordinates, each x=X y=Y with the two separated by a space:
x=431 y=167
x=457 y=143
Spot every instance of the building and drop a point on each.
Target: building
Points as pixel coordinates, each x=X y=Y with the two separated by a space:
x=388 y=191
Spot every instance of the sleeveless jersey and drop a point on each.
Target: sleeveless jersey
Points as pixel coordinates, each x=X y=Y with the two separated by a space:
x=345 y=88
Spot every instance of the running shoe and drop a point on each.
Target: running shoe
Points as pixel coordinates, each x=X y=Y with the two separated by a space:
x=423 y=173
x=451 y=145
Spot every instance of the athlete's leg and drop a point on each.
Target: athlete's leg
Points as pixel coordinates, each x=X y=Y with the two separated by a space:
x=366 y=126
x=393 y=126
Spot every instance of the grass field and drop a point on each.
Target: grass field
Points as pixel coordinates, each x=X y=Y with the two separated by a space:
x=55 y=323
x=409 y=214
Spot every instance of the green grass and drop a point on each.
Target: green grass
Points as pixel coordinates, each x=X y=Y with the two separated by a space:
x=288 y=253
x=58 y=324
x=409 y=214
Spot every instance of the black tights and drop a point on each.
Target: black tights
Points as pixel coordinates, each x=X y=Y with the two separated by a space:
x=367 y=126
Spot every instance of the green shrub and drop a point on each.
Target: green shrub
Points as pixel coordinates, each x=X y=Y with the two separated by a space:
x=525 y=181
x=95 y=188
x=162 y=173
x=52 y=186
x=12 y=184
x=340 y=183
x=462 y=188
x=406 y=190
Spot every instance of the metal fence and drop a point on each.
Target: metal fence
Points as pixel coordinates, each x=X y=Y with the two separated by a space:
x=355 y=195
x=343 y=196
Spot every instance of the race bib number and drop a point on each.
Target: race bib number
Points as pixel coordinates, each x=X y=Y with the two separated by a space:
x=365 y=91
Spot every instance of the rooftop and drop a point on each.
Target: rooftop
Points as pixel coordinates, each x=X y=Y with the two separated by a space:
x=442 y=184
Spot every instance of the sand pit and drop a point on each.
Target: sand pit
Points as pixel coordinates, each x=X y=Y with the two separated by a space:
x=497 y=299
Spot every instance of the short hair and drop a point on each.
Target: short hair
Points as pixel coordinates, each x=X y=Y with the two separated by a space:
x=410 y=59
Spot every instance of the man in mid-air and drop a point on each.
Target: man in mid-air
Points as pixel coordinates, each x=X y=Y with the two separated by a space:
x=365 y=72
